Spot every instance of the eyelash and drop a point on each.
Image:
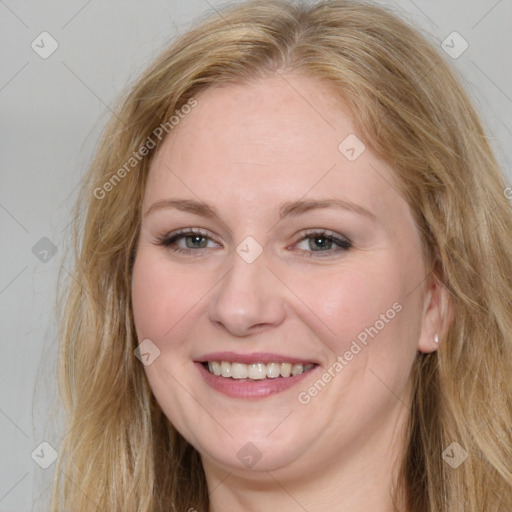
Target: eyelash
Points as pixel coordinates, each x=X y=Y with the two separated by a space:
x=344 y=244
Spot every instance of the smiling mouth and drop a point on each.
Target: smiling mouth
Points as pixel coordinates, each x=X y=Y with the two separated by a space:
x=256 y=371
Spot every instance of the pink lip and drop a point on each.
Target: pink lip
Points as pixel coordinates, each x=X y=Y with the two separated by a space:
x=258 y=357
x=250 y=389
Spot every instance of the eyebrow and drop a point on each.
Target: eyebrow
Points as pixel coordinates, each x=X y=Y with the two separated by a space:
x=288 y=209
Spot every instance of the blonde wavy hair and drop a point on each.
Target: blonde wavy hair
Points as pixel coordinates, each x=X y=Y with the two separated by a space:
x=119 y=451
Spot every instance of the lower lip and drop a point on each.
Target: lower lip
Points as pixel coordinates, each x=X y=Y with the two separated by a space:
x=251 y=390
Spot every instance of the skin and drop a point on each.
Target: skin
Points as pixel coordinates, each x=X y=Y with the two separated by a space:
x=245 y=149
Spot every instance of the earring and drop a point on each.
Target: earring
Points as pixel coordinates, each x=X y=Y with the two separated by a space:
x=436 y=338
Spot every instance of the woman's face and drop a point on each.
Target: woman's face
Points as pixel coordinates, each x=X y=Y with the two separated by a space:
x=304 y=252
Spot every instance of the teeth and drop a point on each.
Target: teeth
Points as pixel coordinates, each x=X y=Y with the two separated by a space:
x=239 y=371
x=225 y=369
x=256 y=371
x=214 y=368
x=297 y=369
x=286 y=369
x=273 y=370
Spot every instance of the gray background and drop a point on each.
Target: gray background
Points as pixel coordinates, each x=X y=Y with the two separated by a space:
x=52 y=112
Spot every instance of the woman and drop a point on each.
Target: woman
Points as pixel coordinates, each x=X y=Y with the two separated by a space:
x=293 y=284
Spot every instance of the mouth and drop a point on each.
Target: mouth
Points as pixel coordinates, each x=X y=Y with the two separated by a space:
x=253 y=376
x=256 y=371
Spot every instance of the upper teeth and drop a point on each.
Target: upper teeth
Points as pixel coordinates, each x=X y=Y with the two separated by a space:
x=256 y=371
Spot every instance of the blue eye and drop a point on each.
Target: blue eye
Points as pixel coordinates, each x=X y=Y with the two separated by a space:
x=323 y=242
x=194 y=239
x=320 y=241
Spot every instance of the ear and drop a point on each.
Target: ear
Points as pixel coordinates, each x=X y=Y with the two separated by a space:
x=436 y=316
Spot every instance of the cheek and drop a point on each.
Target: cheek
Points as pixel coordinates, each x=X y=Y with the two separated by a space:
x=163 y=304
x=373 y=322
x=161 y=298
x=358 y=300
x=347 y=301
x=146 y=298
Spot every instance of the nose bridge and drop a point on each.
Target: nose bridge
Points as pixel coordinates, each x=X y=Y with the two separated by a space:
x=248 y=295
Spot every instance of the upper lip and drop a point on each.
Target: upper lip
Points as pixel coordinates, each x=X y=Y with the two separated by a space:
x=255 y=357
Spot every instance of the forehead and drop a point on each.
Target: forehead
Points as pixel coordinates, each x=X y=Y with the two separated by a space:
x=295 y=118
x=282 y=137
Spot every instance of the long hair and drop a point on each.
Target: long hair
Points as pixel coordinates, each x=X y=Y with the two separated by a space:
x=119 y=451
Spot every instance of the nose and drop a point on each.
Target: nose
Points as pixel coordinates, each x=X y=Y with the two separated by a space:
x=248 y=299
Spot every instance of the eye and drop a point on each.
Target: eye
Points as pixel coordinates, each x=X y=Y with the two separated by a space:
x=322 y=241
x=315 y=243
x=192 y=238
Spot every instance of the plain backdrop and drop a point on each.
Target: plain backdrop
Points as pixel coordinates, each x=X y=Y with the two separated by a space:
x=52 y=112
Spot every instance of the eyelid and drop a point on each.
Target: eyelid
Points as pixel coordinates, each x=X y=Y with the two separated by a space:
x=189 y=231
x=322 y=232
x=342 y=242
x=167 y=239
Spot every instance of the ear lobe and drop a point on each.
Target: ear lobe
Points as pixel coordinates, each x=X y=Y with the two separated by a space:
x=436 y=317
